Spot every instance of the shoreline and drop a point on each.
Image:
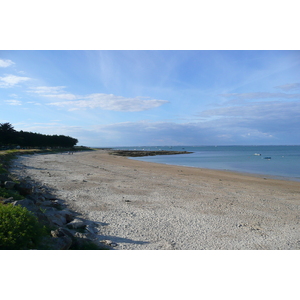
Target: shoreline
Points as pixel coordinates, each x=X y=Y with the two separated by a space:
x=243 y=173
x=145 y=205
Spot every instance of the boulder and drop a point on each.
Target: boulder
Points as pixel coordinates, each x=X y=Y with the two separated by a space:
x=4 y=177
x=24 y=188
x=80 y=235
x=77 y=223
x=45 y=203
x=43 y=219
x=67 y=215
x=91 y=229
x=58 y=202
x=27 y=203
x=54 y=216
x=57 y=219
x=59 y=232
x=9 y=184
x=85 y=243
x=49 y=210
x=62 y=243
x=48 y=196
x=109 y=243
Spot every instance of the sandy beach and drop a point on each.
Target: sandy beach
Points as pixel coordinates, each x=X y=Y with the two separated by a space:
x=147 y=206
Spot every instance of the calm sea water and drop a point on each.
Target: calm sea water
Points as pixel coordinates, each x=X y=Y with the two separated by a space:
x=284 y=161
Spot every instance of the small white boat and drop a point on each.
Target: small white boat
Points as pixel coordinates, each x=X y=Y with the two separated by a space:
x=258 y=154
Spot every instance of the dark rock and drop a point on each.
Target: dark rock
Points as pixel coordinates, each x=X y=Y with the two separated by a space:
x=58 y=203
x=91 y=229
x=9 y=184
x=43 y=219
x=46 y=203
x=27 y=203
x=24 y=188
x=109 y=243
x=80 y=235
x=48 y=196
x=49 y=210
x=59 y=232
x=67 y=215
x=8 y=200
x=138 y=153
x=57 y=218
x=62 y=243
x=67 y=232
x=77 y=223
x=85 y=243
x=5 y=177
x=33 y=197
x=40 y=198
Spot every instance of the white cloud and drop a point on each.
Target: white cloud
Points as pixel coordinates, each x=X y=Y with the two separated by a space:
x=103 y=101
x=47 y=89
x=288 y=87
x=35 y=103
x=63 y=96
x=13 y=102
x=260 y=95
x=274 y=110
x=108 y=102
x=5 y=63
x=11 y=80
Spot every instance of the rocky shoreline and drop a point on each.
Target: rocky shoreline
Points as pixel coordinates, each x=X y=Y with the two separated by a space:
x=68 y=229
x=136 y=205
x=141 y=153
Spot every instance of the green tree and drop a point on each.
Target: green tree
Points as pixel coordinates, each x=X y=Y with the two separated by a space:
x=7 y=134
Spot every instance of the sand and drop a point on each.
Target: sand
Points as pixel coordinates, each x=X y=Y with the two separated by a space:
x=141 y=205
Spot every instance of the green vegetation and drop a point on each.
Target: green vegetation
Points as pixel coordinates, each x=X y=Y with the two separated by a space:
x=5 y=193
x=9 y=137
x=19 y=228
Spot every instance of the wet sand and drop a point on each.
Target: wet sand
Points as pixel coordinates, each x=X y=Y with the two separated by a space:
x=142 y=205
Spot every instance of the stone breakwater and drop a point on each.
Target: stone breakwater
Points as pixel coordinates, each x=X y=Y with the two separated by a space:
x=69 y=230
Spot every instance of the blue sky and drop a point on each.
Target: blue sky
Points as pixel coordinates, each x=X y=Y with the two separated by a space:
x=134 y=98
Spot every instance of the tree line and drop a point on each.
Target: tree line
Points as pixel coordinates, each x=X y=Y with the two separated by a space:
x=9 y=137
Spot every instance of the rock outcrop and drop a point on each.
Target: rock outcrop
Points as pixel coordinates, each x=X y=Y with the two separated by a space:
x=138 y=153
x=69 y=231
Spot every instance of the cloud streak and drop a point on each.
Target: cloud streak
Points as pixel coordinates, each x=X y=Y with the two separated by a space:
x=289 y=87
x=4 y=63
x=110 y=102
x=47 y=89
x=99 y=100
x=11 y=80
x=13 y=102
x=260 y=95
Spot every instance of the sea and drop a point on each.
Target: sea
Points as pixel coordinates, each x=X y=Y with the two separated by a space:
x=280 y=162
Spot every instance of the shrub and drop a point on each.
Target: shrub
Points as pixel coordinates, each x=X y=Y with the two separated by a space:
x=19 y=228
x=5 y=193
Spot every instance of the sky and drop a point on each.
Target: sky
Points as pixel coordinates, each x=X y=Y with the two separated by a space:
x=111 y=98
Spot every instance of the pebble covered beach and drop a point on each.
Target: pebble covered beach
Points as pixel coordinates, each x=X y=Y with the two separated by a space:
x=149 y=206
